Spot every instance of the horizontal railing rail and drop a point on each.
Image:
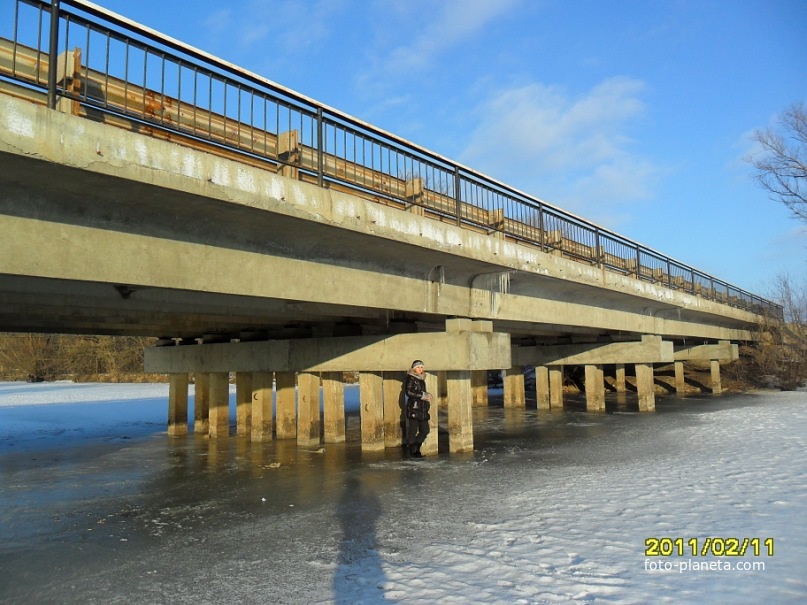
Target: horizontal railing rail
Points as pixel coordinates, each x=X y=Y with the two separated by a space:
x=111 y=69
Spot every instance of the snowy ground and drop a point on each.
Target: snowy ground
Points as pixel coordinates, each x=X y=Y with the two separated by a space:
x=98 y=505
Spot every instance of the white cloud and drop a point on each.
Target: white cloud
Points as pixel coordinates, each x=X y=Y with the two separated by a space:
x=286 y=24
x=574 y=152
x=432 y=28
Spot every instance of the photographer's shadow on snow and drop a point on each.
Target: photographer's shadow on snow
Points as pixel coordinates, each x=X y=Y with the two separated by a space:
x=359 y=574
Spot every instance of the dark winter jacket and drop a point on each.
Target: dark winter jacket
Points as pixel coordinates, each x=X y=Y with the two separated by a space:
x=417 y=405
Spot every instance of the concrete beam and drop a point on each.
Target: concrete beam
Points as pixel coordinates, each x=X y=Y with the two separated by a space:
x=651 y=349
x=443 y=350
x=724 y=351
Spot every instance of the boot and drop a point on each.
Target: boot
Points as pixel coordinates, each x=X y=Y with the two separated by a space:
x=416 y=451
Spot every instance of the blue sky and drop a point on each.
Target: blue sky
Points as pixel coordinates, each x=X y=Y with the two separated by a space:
x=635 y=114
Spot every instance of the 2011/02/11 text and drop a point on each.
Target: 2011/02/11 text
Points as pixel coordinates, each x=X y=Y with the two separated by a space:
x=718 y=547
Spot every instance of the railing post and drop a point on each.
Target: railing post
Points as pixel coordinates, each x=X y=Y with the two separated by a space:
x=457 y=194
x=598 y=256
x=320 y=149
x=541 y=234
x=53 y=52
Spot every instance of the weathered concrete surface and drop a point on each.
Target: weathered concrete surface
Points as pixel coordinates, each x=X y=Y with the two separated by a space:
x=724 y=351
x=650 y=349
x=450 y=351
x=109 y=231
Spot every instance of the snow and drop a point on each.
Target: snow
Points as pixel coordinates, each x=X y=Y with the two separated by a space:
x=551 y=507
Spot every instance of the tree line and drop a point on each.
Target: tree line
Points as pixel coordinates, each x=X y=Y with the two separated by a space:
x=41 y=357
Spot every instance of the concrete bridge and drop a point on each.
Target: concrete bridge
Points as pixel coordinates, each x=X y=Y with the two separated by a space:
x=291 y=253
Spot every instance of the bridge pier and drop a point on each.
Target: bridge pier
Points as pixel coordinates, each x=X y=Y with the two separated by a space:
x=219 y=413
x=620 y=384
x=680 y=378
x=514 y=390
x=333 y=396
x=371 y=403
x=460 y=417
x=178 y=404
x=717 y=385
x=394 y=403
x=542 y=387
x=308 y=409
x=595 y=388
x=556 y=387
x=479 y=388
x=285 y=405
x=262 y=393
x=243 y=403
x=645 y=386
x=201 y=403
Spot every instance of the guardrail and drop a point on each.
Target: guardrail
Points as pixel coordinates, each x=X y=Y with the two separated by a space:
x=111 y=69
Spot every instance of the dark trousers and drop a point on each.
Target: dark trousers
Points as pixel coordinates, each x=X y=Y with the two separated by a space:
x=416 y=431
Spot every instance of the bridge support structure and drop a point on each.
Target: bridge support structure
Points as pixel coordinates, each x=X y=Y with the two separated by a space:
x=723 y=351
x=306 y=370
x=549 y=361
x=593 y=356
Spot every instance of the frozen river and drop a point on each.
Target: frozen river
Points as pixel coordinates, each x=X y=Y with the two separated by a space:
x=99 y=505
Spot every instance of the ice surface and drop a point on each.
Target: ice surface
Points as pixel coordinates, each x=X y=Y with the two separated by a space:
x=99 y=505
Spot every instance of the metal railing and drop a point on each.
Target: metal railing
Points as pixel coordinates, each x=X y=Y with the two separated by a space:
x=109 y=68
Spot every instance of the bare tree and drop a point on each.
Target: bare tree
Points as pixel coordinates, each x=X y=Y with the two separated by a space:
x=781 y=165
x=33 y=357
x=779 y=356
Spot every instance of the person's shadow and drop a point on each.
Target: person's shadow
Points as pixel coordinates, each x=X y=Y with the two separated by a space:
x=359 y=576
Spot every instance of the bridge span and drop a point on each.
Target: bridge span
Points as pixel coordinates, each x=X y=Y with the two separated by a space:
x=292 y=252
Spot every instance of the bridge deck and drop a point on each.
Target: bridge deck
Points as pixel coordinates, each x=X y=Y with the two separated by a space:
x=97 y=95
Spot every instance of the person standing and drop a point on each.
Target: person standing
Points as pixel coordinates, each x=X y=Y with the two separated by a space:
x=418 y=402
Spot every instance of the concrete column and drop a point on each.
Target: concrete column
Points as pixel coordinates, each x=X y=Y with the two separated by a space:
x=595 y=388
x=645 y=387
x=556 y=386
x=333 y=398
x=243 y=403
x=308 y=409
x=514 y=395
x=460 y=417
x=219 y=405
x=479 y=388
x=542 y=387
x=441 y=399
x=394 y=403
x=717 y=386
x=430 y=446
x=201 y=403
x=371 y=397
x=620 y=378
x=285 y=405
x=680 y=381
x=178 y=404
x=261 y=426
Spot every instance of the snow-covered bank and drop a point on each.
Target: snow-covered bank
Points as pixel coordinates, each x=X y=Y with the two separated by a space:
x=550 y=508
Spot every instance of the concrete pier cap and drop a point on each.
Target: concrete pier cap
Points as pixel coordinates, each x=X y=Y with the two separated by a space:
x=465 y=345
